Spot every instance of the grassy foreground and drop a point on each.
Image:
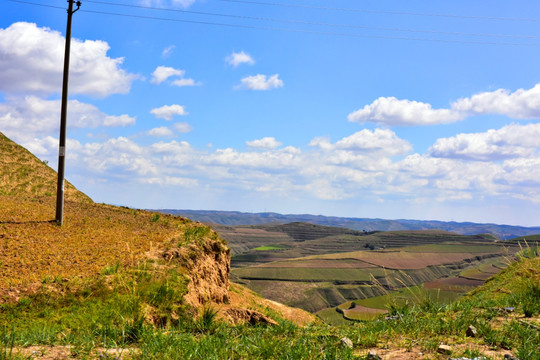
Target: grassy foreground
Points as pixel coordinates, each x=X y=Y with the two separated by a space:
x=100 y=322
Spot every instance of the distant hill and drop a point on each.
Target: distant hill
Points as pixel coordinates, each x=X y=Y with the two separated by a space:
x=234 y=218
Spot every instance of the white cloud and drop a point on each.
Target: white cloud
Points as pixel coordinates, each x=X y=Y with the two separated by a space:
x=162 y=73
x=378 y=140
x=116 y=157
x=185 y=82
x=162 y=131
x=359 y=168
x=266 y=143
x=260 y=82
x=182 y=127
x=270 y=160
x=167 y=112
x=26 y=118
x=511 y=141
x=391 y=111
x=383 y=141
x=236 y=59
x=32 y=58
x=167 y=51
x=521 y=104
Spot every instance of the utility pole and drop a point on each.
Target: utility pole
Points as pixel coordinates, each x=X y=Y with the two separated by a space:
x=63 y=116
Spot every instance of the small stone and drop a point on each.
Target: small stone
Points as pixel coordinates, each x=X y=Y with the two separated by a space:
x=444 y=349
x=372 y=355
x=345 y=341
x=471 y=331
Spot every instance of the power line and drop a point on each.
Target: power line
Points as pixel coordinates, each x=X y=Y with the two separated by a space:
x=308 y=31
x=37 y=4
x=353 y=35
x=380 y=11
x=303 y=22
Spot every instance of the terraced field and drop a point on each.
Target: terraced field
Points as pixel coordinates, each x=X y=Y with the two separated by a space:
x=318 y=268
x=329 y=280
x=249 y=244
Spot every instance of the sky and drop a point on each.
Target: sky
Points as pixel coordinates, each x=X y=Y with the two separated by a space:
x=391 y=109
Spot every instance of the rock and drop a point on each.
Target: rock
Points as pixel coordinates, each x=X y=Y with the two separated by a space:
x=345 y=341
x=444 y=349
x=509 y=357
x=246 y=316
x=471 y=331
x=372 y=355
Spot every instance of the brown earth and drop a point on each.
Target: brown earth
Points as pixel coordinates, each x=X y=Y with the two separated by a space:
x=320 y=264
x=453 y=282
x=401 y=260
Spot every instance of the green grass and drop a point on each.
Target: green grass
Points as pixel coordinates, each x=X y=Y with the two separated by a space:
x=270 y=248
x=98 y=316
x=412 y=295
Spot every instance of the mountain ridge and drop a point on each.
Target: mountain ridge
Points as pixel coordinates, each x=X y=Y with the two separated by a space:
x=236 y=218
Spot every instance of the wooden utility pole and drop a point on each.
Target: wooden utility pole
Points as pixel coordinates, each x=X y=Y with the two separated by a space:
x=63 y=116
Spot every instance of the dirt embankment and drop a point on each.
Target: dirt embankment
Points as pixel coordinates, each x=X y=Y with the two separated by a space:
x=208 y=268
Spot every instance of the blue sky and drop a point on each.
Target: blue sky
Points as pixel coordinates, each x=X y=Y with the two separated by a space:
x=388 y=109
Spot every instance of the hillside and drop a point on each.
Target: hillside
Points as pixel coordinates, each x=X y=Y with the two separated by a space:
x=99 y=240
x=23 y=174
x=235 y=218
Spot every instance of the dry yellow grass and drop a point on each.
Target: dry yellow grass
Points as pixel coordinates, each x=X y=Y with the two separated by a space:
x=21 y=173
x=33 y=248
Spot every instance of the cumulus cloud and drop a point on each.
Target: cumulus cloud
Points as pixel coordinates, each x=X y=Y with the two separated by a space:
x=167 y=112
x=161 y=131
x=384 y=141
x=266 y=143
x=117 y=156
x=162 y=73
x=362 y=166
x=379 y=140
x=274 y=159
x=511 y=141
x=182 y=127
x=26 y=118
x=391 y=111
x=236 y=59
x=260 y=82
x=32 y=58
x=185 y=82
x=521 y=104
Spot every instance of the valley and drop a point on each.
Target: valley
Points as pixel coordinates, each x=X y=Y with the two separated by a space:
x=342 y=274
